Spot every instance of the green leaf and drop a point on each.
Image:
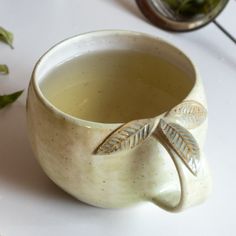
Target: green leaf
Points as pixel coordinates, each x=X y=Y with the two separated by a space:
x=6 y=37
x=10 y=98
x=4 y=69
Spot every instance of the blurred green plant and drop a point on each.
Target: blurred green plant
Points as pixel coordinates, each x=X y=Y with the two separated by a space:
x=10 y=98
x=7 y=37
x=4 y=69
x=191 y=8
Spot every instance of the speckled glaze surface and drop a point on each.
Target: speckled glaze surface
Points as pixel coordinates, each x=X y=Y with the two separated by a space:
x=66 y=146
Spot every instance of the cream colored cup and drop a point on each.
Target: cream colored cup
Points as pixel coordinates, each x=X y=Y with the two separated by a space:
x=156 y=159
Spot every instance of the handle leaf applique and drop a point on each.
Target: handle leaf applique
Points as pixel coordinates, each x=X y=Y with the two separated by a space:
x=190 y=114
x=127 y=136
x=175 y=137
x=181 y=141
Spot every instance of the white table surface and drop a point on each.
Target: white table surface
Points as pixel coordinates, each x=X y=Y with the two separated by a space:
x=30 y=204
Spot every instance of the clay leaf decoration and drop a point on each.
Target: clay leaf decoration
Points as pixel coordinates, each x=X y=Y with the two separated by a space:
x=127 y=136
x=178 y=139
x=189 y=114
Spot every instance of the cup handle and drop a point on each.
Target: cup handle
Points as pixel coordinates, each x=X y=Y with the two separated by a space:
x=193 y=172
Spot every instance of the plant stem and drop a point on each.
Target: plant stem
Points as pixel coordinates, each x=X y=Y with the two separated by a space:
x=226 y=32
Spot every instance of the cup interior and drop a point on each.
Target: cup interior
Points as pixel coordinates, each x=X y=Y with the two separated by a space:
x=133 y=92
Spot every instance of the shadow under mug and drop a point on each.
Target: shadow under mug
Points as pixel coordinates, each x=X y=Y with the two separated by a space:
x=157 y=159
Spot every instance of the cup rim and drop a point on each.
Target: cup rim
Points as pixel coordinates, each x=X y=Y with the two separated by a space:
x=94 y=124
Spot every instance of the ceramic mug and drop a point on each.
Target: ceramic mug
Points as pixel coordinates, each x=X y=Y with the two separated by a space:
x=157 y=159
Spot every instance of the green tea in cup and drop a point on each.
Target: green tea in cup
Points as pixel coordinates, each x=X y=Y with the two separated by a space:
x=115 y=86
